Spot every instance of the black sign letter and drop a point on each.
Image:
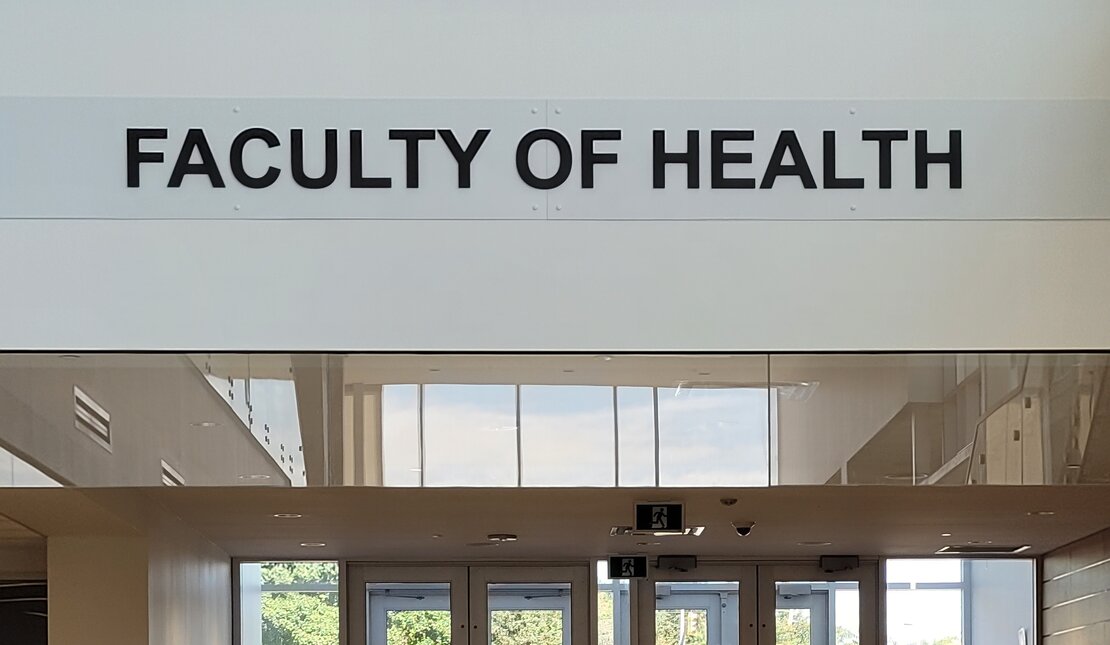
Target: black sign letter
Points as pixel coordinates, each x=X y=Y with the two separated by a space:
x=954 y=158
x=331 y=159
x=831 y=180
x=718 y=158
x=195 y=140
x=357 y=180
x=590 y=157
x=412 y=139
x=565 y=159
x=464 y=157
x=136 y=156
x=271 y=175
x=885 y=139
x=660 y=158
x=788 y=142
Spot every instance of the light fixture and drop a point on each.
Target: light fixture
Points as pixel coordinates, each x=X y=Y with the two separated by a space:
x=946 y=535
x=255 y=477
x=693 y=531
x=501 y=538
x=436 y=536
x=814 y=543
x=649 y=543
x=604 y=357
x=288 y=516
x=568 y=371
x=205 y=424
x=313 y=545
x=68 y=357
x=1041 y=513
x=907 y=478
x=981 y=549
x=433 y=369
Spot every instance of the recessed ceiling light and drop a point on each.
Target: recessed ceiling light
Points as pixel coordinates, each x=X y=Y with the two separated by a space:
x=68 y=357
x=436 y=536
x=433 y=369
x=946 y=535
x=649 y=543
x=814 y=543
x=288 y=516
x=313 y=545
x=568 y=371
x=1041 y=513
x=906 y=478
x=253 y=477
x=604 y=357
x=205 y=424
x=703 y=373
x=501 y=537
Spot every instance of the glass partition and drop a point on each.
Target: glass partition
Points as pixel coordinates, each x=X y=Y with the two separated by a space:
x=671 y=420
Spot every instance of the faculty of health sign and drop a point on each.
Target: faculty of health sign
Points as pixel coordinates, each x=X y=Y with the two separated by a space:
x=554 y=159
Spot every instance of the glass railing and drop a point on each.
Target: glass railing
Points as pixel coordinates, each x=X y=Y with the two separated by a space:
x=544 y=420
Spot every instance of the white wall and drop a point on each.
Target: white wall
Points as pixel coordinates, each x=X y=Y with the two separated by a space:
x=547 y=285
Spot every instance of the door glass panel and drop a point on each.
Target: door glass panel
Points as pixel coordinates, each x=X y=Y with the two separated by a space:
x=614 y=608
x=813 y=612
x=697 y=613
x=409 y=613
x=529 y=614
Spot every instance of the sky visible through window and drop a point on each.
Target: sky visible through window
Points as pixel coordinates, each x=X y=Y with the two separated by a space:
x=707 y=437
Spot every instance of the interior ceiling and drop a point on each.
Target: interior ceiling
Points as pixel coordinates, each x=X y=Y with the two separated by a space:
x=394 y=524
x=555 y=369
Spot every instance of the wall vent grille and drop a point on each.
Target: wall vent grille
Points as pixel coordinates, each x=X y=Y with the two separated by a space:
x=170 y=476
x=92 y=419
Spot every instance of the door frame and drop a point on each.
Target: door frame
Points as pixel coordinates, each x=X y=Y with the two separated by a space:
x=866 y=576
x=644 y=597
x=469 y=599
x=577 y=576
x=361 y=574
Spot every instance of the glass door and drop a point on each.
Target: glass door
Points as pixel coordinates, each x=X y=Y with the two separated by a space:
x=529 y=605
x=804 y=605
x=712 y=605
x=406 y=605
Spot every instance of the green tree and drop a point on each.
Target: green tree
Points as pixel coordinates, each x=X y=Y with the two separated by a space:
x=300 y=618
x=418 y=627
x=681 y=627
x=526 y=627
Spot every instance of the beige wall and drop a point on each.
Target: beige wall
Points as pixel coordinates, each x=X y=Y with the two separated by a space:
x=23 y=559
x=190 y=588
x=167 y=586
x=1075 y=599
x=153 y=402
x=853 y=398
x=97 y=590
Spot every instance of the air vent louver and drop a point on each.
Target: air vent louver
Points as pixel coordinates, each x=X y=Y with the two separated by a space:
x=92 y=419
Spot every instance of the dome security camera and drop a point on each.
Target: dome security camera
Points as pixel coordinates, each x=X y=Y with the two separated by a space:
x=743 y=529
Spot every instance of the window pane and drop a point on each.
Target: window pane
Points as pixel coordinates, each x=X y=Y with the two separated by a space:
x=289 y=603
x=713 y=437
x=636 y=435
x=408 y=613
x=567 y=434
x=925 y=570
x=400 y=435
x=697 y=613
x=529 y=614
x=470 y=435
x=614 y=611
x=940 y=600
